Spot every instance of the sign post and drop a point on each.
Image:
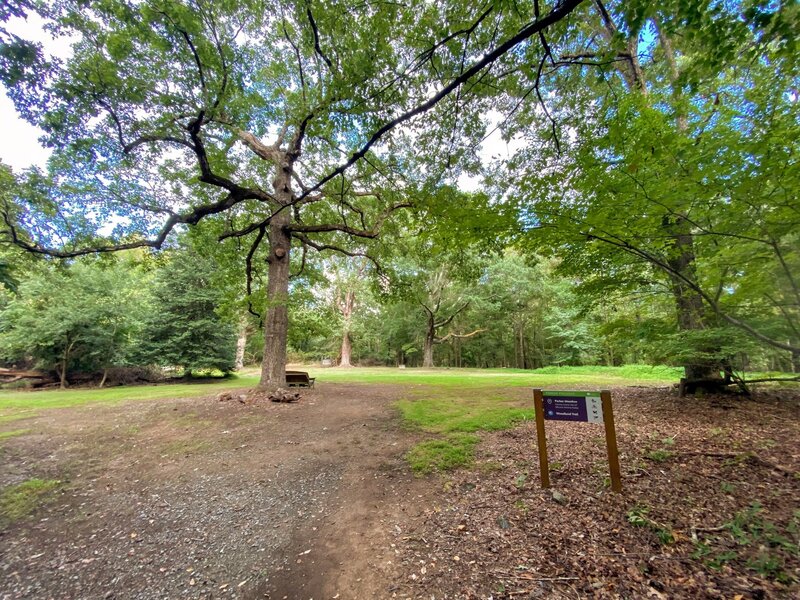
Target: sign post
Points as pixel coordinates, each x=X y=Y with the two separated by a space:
x=586 y=407
x=544 y=467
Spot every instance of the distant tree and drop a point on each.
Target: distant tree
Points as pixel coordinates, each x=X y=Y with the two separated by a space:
x=82 y=317
x=182 y=327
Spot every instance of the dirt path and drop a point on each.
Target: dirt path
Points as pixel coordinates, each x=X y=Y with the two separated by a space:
x=205 y=499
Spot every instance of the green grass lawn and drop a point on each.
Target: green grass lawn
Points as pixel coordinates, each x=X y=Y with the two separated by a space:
x=452 y=405
x=14 y=402
x=15 y=405
x=581 y=377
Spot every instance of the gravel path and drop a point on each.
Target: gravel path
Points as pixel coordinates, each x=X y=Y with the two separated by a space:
x=205 y=499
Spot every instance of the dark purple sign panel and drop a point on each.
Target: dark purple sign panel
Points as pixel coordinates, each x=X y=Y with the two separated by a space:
x=573 y=406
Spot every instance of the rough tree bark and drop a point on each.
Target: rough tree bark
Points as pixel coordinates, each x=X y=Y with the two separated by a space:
x=689 y=305
x=276 y=325
x=430 y=339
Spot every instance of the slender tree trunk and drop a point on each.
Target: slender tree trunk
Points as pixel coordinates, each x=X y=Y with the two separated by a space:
x=105 y=376
x=346 y=307
x=276 y=325
x=241 y=344
x=347 y=350
x=430 y=336
x=63 y=378
x=62 y=375
x=64 y=362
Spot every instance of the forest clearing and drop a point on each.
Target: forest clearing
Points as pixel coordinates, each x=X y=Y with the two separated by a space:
x=430 y=299
x=422 y=485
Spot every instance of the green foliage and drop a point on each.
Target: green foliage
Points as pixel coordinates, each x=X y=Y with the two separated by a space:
x=759 y=543
x=659 y=455
x=452 y=452
x=675 y=177
x=21 y=500
x=79 y=317
x=638 y=517
x=182 y=328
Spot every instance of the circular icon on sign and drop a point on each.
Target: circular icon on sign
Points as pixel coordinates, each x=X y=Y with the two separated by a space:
x=550 y=412
x=549 y=400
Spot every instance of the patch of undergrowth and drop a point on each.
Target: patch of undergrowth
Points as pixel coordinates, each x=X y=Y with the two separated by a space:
x=444 y=454
x=663 y=453
x=638 y=517
x=460 y=414
x=456 y=416
x=758 y=543
x=20 y=500
x=659 y=455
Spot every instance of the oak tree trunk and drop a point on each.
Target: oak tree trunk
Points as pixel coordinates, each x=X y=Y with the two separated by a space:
x=347 y=350
x=276 y=325
x=346 y=306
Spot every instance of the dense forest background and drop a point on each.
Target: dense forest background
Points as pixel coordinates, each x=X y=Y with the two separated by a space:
x=184 y=309
x=318 y=192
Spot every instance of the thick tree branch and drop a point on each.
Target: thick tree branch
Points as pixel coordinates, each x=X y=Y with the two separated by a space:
x=557 y=14
x=663 y=264
x=190 y=218
x=315 y=30
x=320 y=247
x=344 y=228
x=449 y=319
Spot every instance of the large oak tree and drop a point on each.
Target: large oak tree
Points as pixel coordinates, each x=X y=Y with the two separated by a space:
x=275 y=115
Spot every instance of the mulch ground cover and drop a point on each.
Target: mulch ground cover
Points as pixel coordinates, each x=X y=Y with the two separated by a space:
x=710 y=508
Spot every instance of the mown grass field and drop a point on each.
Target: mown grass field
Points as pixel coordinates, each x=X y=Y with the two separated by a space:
x=15 y=402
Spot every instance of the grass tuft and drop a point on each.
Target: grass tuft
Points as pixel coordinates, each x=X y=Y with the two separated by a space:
x=445 y=454
x=458 y=414
x=19 y=501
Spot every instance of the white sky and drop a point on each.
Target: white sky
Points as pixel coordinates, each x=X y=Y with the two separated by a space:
x=19 y=145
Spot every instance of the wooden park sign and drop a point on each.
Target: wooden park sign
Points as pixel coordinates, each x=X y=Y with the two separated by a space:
x=586 y=407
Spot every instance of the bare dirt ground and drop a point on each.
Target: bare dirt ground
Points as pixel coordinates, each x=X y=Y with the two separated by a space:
x=205 y=499
x=710 y=508
x=199 y=498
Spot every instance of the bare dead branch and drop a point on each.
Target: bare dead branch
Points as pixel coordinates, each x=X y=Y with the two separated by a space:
x=458 y=335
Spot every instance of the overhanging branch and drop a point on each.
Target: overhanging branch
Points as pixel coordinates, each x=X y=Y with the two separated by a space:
x=554 y=16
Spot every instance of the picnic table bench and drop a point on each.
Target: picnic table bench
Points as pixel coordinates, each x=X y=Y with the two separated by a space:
x=299 y=379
